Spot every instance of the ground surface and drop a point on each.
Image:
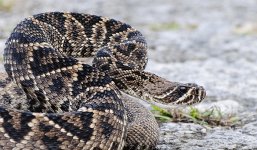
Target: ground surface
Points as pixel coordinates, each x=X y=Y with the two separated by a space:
x=212 y=43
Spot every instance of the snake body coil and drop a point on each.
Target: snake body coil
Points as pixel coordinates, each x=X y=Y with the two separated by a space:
x=73 y=105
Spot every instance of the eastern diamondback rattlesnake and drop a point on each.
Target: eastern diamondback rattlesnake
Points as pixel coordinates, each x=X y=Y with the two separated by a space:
x=73 y=105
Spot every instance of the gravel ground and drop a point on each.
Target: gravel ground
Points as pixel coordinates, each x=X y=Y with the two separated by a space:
x=212 y=43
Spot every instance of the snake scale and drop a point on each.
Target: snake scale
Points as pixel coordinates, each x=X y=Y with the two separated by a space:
x=69 y=104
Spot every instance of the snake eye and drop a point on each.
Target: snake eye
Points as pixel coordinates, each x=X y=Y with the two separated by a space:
x=182 y=89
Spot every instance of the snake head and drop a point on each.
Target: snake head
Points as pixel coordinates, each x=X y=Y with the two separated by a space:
x=160 y=90
x=188 y=94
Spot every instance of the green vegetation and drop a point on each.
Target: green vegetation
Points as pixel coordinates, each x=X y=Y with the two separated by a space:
x=211 y=117
x=249 y=28
x=6 y=5
x=165 y=26
x=172 y=26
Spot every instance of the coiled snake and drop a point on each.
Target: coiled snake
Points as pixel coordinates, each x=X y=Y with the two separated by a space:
x=73 y=105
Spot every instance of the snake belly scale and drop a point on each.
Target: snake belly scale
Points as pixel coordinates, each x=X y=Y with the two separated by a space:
x=69 y=104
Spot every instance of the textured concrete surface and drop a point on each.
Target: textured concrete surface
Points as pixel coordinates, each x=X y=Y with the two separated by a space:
x=212 y=43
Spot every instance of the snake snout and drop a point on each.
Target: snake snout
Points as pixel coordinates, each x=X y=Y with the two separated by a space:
x=195 y=93
x=202 y=93
x=190 y=93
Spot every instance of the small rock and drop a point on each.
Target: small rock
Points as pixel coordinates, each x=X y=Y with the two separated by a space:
x=226 y=107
